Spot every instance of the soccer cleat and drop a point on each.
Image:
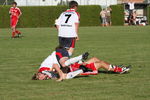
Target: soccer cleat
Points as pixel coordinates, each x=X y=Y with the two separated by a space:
x=125 y=69
x=85 y=56
x=19 y=35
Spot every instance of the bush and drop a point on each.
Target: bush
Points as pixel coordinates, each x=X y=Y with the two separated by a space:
x=89 y=15
x=148 y=14
x=44 y=16
x=117 y=15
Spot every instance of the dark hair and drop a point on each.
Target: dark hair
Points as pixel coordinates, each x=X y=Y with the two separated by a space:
x=34 y=77
x=14 y=3
x=59 y=47
x=73 y=4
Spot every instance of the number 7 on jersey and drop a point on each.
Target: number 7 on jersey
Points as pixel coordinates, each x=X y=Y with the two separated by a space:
x=68 y=16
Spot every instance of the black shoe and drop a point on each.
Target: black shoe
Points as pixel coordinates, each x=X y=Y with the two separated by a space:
x=85 y=56
x=83 y=68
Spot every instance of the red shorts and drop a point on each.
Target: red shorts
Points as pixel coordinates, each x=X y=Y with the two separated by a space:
x=76 y=66
x=13 y=21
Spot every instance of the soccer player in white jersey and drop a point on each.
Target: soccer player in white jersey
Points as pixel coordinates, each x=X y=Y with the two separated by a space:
x=67 y=25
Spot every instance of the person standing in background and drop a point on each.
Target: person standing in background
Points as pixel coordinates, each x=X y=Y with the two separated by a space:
x=134 y=17
x=15 y=13
x=131 y=8
x=108 y=16
x=103 y=17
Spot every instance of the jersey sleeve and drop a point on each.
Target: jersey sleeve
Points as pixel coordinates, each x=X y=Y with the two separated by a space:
x=58 y=20
x=77 y=17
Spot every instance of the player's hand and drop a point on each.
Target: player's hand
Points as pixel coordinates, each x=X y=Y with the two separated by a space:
x=77 y=38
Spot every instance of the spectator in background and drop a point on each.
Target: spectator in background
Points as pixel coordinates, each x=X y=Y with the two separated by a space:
x=134 y=17
x=108 y=16
x=103 y=17
x=131 y=8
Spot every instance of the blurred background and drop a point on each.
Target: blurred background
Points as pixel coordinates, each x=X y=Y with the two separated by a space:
x=58 y=2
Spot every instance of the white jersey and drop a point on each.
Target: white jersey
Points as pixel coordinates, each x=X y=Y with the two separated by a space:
x=49 y=61
x=131 y=6
x=66 y=22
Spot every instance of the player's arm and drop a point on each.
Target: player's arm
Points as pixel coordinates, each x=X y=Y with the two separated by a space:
x=77 y=29
x=10 y=12
x=20 y=13
x=57 y=21
x=77 y=21
x=56 y=67
x=57 y=27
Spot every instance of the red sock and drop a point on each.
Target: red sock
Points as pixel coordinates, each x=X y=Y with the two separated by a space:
x=13 y=34
x=117 y=69
x=91 y=66
x=18 y=32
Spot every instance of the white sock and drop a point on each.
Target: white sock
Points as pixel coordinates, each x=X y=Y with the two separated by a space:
x=73 y=60
x=110 y=67
x=70 y=54
x=71 y=75
x=47 y=73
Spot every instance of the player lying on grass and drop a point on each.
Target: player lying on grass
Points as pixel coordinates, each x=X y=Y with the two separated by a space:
x=67 y=25
x=94 y=64
x=58 y=59
x=15 y=13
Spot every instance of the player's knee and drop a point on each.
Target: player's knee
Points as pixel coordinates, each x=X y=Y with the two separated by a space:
x=95 y=59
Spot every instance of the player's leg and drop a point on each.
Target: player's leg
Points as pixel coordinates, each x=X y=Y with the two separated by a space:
x=17 y=31
x=73 y=74
x=82 y=69
x=13 y=27
x=98 y=64
x=72 y=46
x=109 y=67
x=103 y=22
x=61 y=41
x=92 y=60
x=66 y=62
x=68 y=43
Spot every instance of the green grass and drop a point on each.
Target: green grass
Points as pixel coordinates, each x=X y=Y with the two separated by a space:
x=20 y=58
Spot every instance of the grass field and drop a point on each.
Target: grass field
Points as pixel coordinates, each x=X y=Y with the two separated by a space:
x=20 y=58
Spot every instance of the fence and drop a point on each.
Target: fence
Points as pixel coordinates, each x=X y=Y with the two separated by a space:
x=58 y=2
